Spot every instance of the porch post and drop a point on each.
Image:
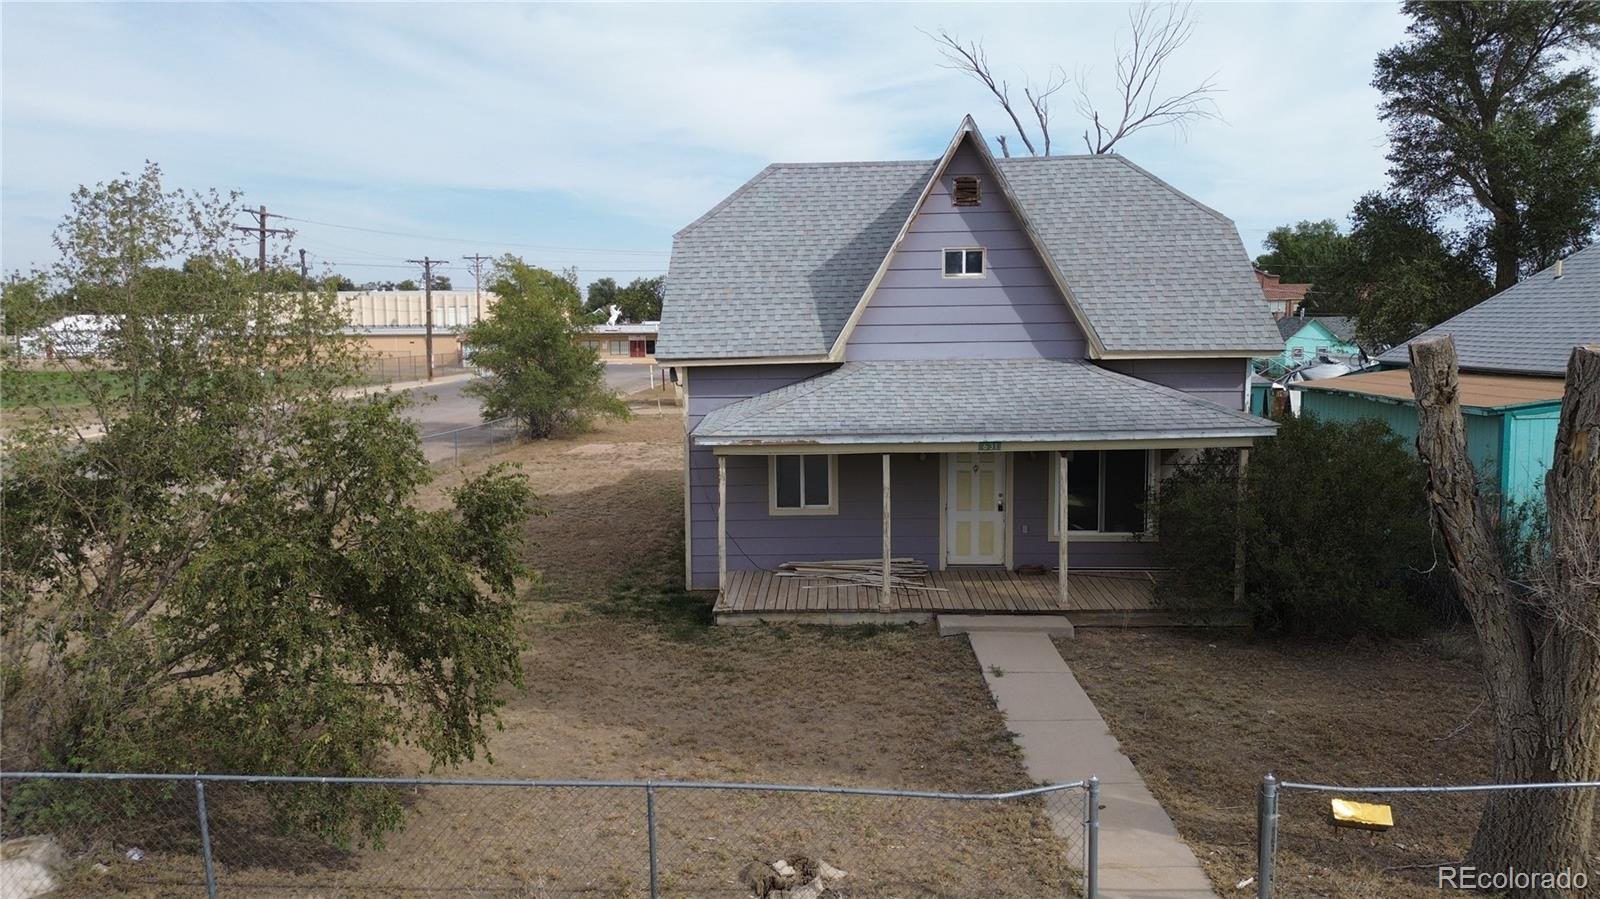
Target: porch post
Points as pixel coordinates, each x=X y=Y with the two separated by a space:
x=885 y=595
x=722 y=522
x=1238 y=531
x=1061 y=526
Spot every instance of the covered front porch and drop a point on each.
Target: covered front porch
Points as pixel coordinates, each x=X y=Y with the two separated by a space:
x=1096 y=598
x=1018 y=486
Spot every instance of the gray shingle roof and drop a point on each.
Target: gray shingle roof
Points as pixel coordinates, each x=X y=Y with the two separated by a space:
x=777 y=267
x=1529 y=328
x=968 y=401
x=1151 y=268
x=1340 y=326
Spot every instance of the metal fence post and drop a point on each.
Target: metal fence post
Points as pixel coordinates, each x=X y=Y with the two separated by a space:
x=1266 y=836
x=205 y=837
x=1091 y=826
x=650 y=822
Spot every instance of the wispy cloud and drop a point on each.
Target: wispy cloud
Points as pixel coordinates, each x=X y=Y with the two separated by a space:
x=611 y=125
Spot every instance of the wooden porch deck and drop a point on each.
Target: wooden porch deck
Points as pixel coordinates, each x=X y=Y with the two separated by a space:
x=1095 y=597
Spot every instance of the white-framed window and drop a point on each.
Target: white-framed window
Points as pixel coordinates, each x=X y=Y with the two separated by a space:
x=1107 y=491
x=802 y=484
x=619 y=348
x=964 y=262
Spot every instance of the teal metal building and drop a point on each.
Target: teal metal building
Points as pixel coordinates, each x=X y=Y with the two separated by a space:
x=1511 y=420
x=1512 y=350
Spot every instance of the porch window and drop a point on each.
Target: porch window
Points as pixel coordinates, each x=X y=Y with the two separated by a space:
x=802 y=484
x=963 y=262
x=1106 y=491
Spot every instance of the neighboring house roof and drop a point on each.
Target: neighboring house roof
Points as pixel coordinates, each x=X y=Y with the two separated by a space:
x=1478 y=391
x=1273 y=288
x=777 y=268
x=972 y=401
x=1529 y=328
x=1341 y=327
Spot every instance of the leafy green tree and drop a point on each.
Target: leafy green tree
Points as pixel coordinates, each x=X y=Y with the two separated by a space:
x=1491 y=113
x=602 y=292
x=640 y=301
x=407 y=284
x=233 y=574
x=536 y=368
x=441 y=282
x=1361 y=577
x=25 y=304
x=1401 y=272
x=1305 y=252
x=340 y=282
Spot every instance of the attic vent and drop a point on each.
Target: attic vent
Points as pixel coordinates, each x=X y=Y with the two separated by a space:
x=965 y=192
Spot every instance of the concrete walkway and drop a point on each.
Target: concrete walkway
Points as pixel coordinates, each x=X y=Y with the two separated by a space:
x=1063 y=738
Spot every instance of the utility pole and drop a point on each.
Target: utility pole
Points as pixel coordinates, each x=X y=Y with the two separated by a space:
x=427 y=264
x=477 y=283
x=311 y=343
x=261 y=231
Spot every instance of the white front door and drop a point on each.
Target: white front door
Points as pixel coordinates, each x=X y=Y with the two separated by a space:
x=975 y=508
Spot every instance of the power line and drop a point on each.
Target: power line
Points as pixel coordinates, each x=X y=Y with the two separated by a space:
x=260 y=228
x=524 y=246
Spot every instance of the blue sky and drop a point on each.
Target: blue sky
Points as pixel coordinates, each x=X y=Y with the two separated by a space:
x=584 y=135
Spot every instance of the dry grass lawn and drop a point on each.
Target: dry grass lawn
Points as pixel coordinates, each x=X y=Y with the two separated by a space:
x=626 y=680
x=1205 y=715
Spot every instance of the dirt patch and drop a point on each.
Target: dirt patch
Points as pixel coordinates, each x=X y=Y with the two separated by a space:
x=1205 y=715
x=626 y=681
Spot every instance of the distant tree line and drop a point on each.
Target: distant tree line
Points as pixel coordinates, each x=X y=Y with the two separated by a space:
x=640 y=300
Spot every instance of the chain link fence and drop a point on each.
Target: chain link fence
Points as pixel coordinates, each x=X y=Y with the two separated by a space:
x=474 y=440
x=222 y=835
x=412 y=367
x=1300 y=850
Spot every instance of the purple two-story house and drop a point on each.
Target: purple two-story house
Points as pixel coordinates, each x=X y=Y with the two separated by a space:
x=954 y=361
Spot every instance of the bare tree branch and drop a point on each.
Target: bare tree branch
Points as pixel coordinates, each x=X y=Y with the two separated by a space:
x=1157 y=31
x=972 y=59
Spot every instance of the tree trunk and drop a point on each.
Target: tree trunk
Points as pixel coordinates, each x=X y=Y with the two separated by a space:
x=1540 y=665
x=1503 y=240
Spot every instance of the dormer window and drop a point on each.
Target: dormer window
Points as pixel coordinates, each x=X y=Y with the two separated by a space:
x=963 y=262
x=965 y=191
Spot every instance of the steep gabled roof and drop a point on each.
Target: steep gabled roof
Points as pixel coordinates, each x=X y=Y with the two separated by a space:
x=777 y=268
x=1530 y=327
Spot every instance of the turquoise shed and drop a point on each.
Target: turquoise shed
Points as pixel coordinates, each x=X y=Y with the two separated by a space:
x=1510 y=419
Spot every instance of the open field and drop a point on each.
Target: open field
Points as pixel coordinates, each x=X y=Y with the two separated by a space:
x=51 y=387
x=626 y=680
x=1205 y=714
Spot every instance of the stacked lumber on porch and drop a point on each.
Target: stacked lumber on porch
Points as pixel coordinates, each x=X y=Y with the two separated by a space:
x=904 y=574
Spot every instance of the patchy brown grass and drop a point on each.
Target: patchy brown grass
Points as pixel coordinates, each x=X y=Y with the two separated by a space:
x=1204 y=715
x=627 y=681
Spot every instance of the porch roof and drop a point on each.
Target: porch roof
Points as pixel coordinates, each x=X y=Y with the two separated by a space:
x=958 y=402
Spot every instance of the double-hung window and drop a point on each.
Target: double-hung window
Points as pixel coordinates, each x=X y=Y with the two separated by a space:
x=964 y=262
x=802 y=484
x=1107 y=491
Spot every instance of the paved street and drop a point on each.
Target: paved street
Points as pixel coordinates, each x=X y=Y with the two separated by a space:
x=445 y=407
